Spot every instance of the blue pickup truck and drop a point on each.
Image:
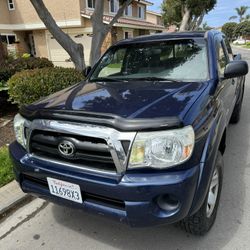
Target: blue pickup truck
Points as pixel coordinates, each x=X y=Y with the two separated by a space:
x=142 y=139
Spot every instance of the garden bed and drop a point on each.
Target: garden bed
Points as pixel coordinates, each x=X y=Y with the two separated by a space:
x=6 y=132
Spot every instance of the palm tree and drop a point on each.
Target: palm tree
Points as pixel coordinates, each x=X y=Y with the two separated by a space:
x=241 y=11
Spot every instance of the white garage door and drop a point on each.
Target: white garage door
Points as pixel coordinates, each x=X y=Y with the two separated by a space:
x=60 y=57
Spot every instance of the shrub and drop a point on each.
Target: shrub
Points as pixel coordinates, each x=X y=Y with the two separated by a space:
x=11 y=66
x=26 y=55
x=5 y=73
x=24 y=63
x=30 y=85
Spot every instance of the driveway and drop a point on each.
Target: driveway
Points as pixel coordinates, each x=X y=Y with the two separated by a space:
x=54 y=227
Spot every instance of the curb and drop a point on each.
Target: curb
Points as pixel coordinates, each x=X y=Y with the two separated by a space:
x=11 y=196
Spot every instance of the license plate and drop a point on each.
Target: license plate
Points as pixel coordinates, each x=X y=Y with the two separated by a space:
x=65 y=190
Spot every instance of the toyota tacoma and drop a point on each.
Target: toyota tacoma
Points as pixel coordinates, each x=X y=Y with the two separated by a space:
x=141 y=139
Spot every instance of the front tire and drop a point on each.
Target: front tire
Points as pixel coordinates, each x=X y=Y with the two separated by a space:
x=202 y=221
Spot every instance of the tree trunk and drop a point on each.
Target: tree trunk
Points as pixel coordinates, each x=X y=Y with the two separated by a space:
x=185 y=19
x=199 y=21
x=76 y=51
x=97 y=42
x=1 y=53
x=193 y=23
x=101 y=30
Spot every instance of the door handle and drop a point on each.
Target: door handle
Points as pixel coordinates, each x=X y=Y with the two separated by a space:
x=233 y=81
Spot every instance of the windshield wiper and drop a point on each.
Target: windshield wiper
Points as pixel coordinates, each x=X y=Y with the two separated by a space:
x=155 y=79
x=106 y=79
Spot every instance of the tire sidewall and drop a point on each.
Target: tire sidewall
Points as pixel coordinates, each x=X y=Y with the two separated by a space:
x=209 y=221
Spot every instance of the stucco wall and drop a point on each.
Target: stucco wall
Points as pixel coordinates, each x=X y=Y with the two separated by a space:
x=61 y=9
x=21 y=46
x=4 y=12
x=154 y=19
x=151 y=18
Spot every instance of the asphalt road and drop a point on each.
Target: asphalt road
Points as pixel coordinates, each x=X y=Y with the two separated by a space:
x=54 y=227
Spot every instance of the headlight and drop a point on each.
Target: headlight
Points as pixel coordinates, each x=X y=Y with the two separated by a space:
x=162 y=149
x=19 y=128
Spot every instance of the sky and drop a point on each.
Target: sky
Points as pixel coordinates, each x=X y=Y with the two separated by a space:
x=219 y=15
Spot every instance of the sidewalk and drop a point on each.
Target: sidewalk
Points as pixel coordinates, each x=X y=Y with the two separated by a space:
x=10 y=196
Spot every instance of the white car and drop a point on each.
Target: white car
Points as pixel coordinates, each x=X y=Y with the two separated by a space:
x=240 y=41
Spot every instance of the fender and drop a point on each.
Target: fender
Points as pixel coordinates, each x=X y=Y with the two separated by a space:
x=209 y=155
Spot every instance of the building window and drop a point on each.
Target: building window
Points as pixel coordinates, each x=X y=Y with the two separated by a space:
x=128 y=11
x=141 y=12
x=8 y=39
x=114 y=6
x=91 y=4
x=128 y=34
x=11 y=4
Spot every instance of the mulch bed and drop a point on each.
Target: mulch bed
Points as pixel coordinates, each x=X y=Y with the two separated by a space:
x=7 y=133
x=7 y=113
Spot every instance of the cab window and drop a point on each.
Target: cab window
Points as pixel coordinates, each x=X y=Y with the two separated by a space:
x=229 y=49
x=222 y=58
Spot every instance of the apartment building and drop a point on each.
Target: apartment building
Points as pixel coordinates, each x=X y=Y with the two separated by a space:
x=24 y=32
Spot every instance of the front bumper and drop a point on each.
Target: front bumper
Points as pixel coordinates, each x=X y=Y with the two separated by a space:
x=131 y=198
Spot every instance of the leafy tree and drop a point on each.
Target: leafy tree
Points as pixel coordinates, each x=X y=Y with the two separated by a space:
x=205 y=26
x=243 y=29
x=186 y=14
x=229 y=30
x=241 y=11
x=100 y=31
x=247 y=18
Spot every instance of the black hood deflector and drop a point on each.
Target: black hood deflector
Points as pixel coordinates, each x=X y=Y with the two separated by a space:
x=110 y=120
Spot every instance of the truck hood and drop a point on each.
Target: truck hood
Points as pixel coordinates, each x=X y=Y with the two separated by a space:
x=133 y=100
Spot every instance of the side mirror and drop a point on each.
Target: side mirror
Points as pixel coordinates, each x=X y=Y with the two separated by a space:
x=87 y=71
x=236 y=69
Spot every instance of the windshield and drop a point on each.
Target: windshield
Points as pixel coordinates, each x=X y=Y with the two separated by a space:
x=176 y=60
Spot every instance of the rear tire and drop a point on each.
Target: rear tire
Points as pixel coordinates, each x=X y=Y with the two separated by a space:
x=202 y=221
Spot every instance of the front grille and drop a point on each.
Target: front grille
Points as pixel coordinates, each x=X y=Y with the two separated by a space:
x=90 y=152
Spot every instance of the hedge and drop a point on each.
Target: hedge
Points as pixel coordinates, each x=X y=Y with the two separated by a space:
x=29 y=86
x=11 y=66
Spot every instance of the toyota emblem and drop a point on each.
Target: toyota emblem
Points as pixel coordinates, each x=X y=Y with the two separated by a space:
x=66 y=148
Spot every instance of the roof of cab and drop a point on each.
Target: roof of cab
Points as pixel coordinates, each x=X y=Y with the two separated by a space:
x=166 y=36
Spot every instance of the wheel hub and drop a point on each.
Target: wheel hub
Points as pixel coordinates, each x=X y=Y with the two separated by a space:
x=213 y=193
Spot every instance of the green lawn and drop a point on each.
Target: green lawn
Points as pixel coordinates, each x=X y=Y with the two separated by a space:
x=115 y=66
x=6 y=172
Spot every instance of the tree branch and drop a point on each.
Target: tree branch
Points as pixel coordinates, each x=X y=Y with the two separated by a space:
x=74 y=50
x=119 y=13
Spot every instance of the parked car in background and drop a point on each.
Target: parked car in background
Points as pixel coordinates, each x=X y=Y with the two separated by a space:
x=142 y=139
x=240 y=41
